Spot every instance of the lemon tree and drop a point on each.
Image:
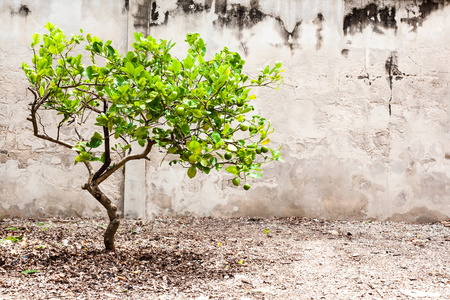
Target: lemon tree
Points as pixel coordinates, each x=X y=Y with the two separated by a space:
x=197 y=110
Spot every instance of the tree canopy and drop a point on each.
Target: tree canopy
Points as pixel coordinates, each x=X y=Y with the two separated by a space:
x=197 y=109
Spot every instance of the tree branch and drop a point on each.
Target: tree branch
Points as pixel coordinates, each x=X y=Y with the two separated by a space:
x=107 y=162
x=122 y=162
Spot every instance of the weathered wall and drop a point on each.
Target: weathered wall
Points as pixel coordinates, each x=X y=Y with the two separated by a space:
x=38 y=178
x=363 y=114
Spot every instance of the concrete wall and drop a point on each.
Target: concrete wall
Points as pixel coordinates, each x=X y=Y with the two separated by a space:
x=38 y=178
x=363 y=114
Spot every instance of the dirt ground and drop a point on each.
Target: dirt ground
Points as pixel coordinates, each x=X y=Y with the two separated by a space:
x=209 y=258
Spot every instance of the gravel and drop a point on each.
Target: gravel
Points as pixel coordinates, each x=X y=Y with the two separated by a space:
x=210 y=258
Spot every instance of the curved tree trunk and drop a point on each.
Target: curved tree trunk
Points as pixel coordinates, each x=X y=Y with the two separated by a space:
x=114 y=218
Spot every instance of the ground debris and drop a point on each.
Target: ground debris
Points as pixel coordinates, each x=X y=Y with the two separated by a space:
x=212 y=258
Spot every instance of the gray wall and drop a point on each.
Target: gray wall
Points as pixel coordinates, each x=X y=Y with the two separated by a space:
x=363 y=114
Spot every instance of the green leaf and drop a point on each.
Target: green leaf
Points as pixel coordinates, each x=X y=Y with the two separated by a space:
x=203 y=162
x=185 y=129
x=83 y=157
x=176 y=65
x=129 y=67
x=189 y=62
x=193 y=158
x=225 y=129
x=232 y=169
x=172 y=150
x=142 y=132
x=89 y=72
x=232 y=148
x=250 y=108
x=138 y=71
x=13 y=239
x=29 y=271
x=265 y=142
x=255 y=175
x=192 y=171
x=97 y=47
x=194 y=146
x=110 y=50
x=197 y=113
x=35 y=39
x=52 y=49
x=216 y=137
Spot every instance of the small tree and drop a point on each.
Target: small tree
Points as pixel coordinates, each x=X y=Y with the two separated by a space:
x=195 y=109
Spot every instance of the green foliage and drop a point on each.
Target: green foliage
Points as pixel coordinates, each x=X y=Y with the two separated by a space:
x=198 y=110
x=13 y=239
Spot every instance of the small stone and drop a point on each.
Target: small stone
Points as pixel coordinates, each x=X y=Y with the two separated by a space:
x=420 y=294
x=446 y=223
x=262 y=290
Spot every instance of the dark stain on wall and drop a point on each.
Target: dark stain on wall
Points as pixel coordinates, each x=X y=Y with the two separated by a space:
x=23 y=11
x=154 y=13
x=147 y=16
x=290 y=37
x=189 y=6
x=415 y=19
x=232 y=15
x=238 y=16
x=127 y=4
x=345 y=52
x=370 y=15
x=393 y=71
x=319 y=23
x=142 y=17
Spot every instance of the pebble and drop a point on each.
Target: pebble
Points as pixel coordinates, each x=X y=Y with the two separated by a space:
x=420 y=294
